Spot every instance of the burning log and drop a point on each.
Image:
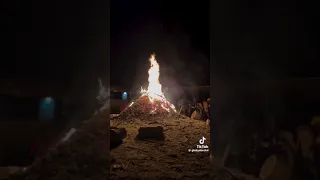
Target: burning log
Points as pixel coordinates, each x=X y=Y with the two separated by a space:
x=143 y=108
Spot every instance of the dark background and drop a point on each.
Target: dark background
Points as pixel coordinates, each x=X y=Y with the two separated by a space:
x=57 y=43
x=264 y=54
x=49 y=48
x=267 y=36
x=56 y=48
x=177 y=31
x=63 y=43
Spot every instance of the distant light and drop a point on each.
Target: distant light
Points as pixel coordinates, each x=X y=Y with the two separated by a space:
x=48 y=99
x=124 y=96
x=47 y=108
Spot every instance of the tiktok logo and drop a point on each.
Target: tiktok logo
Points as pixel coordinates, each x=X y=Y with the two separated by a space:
x=201 y=147
x=202 y=140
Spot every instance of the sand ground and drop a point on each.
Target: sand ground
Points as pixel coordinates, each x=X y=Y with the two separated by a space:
x=168 y=159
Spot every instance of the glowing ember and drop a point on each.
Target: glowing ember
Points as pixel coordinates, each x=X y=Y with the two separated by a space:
x=154 y=91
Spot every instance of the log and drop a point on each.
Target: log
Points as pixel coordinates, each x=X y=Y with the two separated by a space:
x=196 y=115
x=208 y=122
x=205 y=105
x=150 y=133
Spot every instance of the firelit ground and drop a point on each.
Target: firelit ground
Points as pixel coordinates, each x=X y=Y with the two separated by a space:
x=168 y=159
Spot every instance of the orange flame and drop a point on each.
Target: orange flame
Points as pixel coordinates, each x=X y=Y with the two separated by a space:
x=154 y=91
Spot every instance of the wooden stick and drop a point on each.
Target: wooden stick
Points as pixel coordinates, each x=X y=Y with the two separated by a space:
x=180 y=110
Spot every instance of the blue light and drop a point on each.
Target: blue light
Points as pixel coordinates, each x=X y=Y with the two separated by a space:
x=46 y=108
x=48 y=100
x=124 y=96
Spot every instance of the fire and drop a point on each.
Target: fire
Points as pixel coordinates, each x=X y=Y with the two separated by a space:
x=154 y=88
x=154 y=91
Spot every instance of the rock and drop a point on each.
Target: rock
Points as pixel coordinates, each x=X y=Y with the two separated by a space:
x=116 y=137
x=150 y=133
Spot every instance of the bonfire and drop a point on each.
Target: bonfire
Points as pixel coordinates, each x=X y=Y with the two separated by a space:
x=152 y=100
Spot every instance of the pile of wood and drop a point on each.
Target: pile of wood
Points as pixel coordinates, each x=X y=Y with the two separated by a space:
x=143 y=109
x=201 y=112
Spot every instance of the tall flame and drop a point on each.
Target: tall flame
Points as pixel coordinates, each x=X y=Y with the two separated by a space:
x=154 y=91
x=154 y=88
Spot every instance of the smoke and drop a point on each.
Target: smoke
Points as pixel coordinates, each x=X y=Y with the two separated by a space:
x=180 y=65
x=182 y=61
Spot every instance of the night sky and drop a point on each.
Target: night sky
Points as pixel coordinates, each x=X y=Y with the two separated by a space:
x=67 y=43
x=63 y=43
x=177 y=32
